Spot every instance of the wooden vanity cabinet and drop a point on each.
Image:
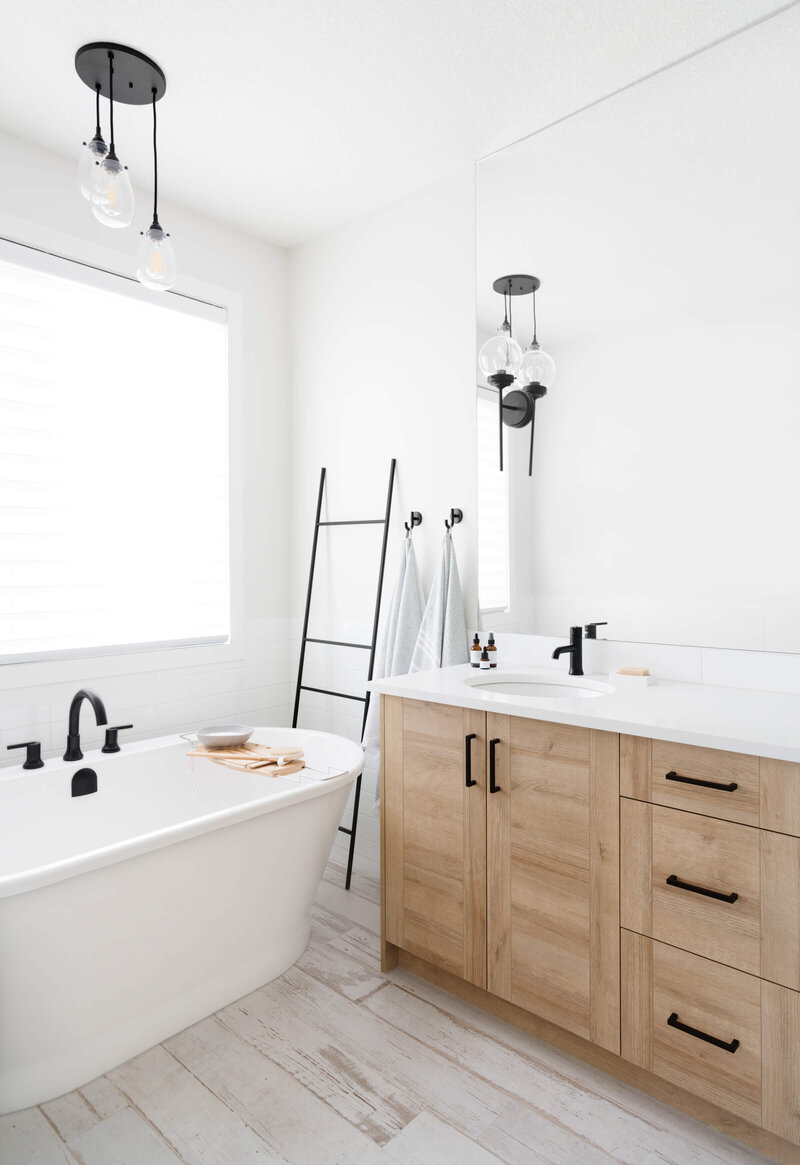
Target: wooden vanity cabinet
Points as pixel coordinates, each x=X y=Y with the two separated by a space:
x=641 y=895
x=515 y=890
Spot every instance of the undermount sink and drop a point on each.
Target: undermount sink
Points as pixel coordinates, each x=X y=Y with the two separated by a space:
x=537 y=686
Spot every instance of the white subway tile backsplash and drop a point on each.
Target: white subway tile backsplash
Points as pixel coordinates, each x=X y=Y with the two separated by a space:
x=157 y=700
x=24 y=706
x=188 y=683
x=765 y=671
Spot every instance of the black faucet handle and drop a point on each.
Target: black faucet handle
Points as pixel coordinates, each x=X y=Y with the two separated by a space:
x=33 y=757
x=112 y=744
x=591 y=629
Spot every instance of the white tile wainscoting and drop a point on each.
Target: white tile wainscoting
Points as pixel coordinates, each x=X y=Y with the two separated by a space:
x=255 y=689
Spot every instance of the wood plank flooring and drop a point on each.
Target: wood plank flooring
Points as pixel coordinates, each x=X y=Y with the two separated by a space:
x=337 y=1064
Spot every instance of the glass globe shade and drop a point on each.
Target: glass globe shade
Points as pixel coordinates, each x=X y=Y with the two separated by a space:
x=500 y=353
x=91 y=153
x=537 y=367
x=113 y=203
x=155 y=262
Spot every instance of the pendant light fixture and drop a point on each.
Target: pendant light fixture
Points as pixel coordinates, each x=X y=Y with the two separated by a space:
x=502 y=362
x=123 y=74
x=112 y=198
x=155 y=267
x=92 y=153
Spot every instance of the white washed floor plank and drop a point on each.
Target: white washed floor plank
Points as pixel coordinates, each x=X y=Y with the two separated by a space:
x=290 y=1119
x=344 y=904
x=354 y=977
x=71 y=1115
x=193 y=1121
x=28 y=1138
x=427 y=1140
x=376 y=1076
x=123 y=1139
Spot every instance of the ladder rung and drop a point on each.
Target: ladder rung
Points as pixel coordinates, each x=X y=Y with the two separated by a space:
x=344 y=829
x=338 y=643
x=357 y=522
x=328 y=692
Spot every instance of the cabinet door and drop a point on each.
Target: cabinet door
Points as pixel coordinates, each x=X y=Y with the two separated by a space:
x=553 y=874
x=434 y=831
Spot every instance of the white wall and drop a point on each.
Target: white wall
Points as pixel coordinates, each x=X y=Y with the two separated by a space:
x=383 y=316
x=162 y=692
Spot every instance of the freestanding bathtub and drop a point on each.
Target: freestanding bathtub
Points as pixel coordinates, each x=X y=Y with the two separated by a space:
x=130 y=913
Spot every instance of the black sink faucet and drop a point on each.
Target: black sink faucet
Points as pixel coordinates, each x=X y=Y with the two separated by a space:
x=73 y=737
x=575 y=650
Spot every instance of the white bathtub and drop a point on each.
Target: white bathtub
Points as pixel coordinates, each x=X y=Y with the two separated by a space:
x=132 y=912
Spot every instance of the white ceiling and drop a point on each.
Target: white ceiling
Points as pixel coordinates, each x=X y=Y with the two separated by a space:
x=288 y=117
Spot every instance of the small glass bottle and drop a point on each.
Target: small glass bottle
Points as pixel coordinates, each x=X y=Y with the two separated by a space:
x=492 y=649
x=485 y=664
x=475 y=652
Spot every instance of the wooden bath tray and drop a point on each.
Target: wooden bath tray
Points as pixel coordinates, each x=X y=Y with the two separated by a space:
x=249 y=758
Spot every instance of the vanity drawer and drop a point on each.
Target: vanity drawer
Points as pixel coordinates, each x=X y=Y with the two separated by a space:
x=667 y=991
x=692 y=881
x=705 y=780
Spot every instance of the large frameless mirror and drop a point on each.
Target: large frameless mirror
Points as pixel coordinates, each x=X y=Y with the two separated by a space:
x=664 y=488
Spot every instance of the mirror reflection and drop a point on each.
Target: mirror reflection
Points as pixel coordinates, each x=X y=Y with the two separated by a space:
x=662 y=226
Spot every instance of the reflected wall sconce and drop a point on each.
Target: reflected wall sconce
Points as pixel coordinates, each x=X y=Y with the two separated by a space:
x=503 y=363
x=124 y=75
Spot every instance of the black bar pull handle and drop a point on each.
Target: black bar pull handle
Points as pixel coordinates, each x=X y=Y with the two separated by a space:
x=468 y=758
x=673 y=1021
x=673 y=776
x=493 y=785
x=674 y=880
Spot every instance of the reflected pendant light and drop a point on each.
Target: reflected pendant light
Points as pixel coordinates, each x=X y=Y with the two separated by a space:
x=537 y=373
x=92 y=153
x=502 y=362
x=155 y=266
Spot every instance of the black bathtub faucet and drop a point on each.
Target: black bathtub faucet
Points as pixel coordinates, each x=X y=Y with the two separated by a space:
x=73 y=736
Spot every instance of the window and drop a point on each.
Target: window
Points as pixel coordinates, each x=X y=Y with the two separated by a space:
x=113 y=463
x=493 y=557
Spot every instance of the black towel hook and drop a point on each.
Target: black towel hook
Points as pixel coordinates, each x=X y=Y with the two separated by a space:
x=455 y=518
x=416 y=520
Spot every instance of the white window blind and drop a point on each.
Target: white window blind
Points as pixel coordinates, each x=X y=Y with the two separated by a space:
x=113 y=463
x=493 y=520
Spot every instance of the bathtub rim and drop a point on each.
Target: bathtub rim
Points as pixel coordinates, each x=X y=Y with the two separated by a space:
x=36 y=877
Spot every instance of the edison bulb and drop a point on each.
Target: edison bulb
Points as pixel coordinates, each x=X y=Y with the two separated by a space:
x=501 y=353
x=113 y=203
x=537 y=367
x=91 y=153
x=155 y=263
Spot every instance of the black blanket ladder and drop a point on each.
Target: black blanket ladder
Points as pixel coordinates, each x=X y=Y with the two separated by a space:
x=370 y=647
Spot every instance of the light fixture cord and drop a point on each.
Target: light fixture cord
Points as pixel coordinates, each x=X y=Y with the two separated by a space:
x=111 y=149
x=510 y=327
x=535 y=341
x=97 y=131
x=155 y=164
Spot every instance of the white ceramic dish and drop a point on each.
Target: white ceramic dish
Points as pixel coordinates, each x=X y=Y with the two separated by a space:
x=224 y=735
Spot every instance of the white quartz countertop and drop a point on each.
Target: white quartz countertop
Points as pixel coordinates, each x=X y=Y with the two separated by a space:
x=733 y=719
